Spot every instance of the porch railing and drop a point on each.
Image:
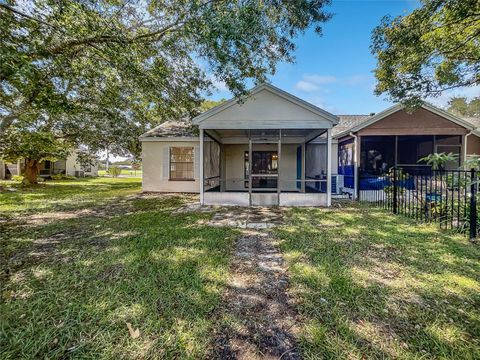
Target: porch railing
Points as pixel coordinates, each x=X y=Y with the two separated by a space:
x=448 y=198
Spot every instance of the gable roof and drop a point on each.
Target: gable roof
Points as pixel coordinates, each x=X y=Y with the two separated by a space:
x=347 y=122
x=470 y=125
x=287 y=97
x=182 y=128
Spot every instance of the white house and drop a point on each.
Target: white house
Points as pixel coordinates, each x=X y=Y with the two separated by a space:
x=273 y=148
x=68 y=166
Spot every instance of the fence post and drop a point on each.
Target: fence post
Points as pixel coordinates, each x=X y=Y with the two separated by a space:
x=394 y=190
x=473 y=205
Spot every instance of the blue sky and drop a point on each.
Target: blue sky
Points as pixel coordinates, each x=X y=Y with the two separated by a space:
x=334 y=71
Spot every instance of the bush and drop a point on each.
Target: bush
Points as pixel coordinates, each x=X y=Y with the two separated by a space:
x=114 y=171
x=63 y=177
x=17 y=178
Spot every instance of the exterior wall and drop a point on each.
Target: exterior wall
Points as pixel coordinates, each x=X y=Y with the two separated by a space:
x=156 y=169
x=269 y=109
x=421 y=122
x=71 y=166
x=156 y=173
x=473 y=145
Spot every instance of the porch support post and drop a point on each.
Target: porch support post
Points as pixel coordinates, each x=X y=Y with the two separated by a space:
x=329 y=167
x=279 y=165
x=201 y=168
x=302 y=185
x=223 y=179
x=250 y=170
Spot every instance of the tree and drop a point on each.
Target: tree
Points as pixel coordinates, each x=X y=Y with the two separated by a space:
x=208 y=104
x=433 y=49
x=462 y=107
x=100 y=73
x=33 y=147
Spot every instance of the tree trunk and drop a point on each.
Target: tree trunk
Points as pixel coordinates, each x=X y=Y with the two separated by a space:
x=32 y=168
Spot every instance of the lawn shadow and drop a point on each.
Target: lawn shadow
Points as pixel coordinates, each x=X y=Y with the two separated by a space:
x=73 y=297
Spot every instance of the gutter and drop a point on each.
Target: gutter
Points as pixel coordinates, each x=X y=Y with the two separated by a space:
x=465 y=146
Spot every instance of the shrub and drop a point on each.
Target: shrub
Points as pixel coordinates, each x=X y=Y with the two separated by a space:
x=114 y=171
x=17 y=178
x=63 y=177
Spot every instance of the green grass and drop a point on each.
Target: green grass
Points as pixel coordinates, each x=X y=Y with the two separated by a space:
x=137 y=173
x=80 y=259
x=371 y=285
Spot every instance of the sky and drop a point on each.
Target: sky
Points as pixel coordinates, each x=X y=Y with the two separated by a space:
x=335 y=71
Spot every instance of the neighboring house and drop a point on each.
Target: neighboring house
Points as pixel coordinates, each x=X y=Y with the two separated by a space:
x=276 y=149
x=68 y=166
x=370 y=145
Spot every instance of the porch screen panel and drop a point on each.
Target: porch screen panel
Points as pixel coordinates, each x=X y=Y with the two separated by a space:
x=181 y=163
x=377 y=154
x=411 y=149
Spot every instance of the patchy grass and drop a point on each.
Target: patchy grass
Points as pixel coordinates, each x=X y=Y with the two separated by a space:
x=372 y=285
x=81 y=259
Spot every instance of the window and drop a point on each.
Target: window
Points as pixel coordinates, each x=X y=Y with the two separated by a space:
x=181 y=163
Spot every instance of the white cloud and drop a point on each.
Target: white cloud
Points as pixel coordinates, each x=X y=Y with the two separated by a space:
x=306 y=86
x=219 y=85
x=320 y=79
x=315 y=82
x=312 y=82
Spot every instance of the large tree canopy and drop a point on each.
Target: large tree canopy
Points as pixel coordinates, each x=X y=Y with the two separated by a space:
x=435 y=48
x=98 y=72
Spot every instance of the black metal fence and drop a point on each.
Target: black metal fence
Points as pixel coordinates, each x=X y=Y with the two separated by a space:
x=449 y=198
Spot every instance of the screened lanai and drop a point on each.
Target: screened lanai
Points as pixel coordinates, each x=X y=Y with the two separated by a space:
x=266 y=167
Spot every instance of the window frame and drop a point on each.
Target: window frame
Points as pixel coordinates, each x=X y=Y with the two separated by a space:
x=170 y=178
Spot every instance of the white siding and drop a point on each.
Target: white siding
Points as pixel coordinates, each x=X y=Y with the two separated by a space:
x=266 y=110
x=155 y=166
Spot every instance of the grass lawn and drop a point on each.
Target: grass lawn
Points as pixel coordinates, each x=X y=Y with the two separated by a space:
x=371 y=285
x=133 y=173
x=81 y=259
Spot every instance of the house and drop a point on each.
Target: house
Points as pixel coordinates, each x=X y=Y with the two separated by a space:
x=368 y=146
x=272 y=148
x=68 y=166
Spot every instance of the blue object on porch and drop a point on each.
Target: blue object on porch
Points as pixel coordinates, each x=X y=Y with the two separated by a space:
x=380 y=182
x=348 y=175
x=433 y=197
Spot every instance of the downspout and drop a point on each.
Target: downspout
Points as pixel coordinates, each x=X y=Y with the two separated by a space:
x=465 y=147
x=355 y=165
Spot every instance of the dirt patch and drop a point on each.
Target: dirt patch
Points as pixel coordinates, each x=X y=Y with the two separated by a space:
x=258 y=317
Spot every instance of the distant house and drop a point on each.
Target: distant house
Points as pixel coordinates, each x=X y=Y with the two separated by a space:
x=273 y=148
x=68 y=166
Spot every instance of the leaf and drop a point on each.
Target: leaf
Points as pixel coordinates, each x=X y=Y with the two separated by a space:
x=134 y=333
